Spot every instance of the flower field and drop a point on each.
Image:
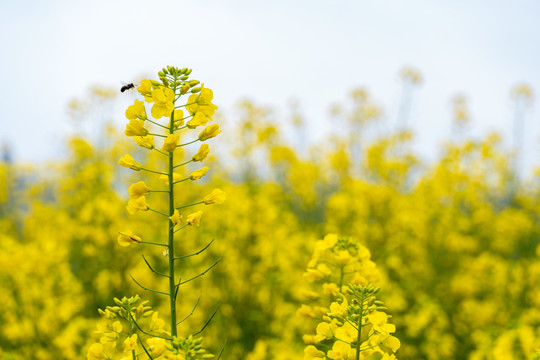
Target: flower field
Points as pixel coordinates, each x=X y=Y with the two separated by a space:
x=223 y=238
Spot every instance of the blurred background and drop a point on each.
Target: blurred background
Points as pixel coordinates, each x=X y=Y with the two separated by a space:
x=411 y=127
x=312 y=52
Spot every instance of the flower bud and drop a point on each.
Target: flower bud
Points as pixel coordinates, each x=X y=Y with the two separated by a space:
x=196 y=90
x=193 y=83
x=188 y=71
x=185 y=77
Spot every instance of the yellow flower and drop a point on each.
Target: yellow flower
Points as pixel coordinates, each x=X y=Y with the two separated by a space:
x=326 y=330
x=136 y=111
x=378 y=319
x=195 y=218
x=129 y=162
x=341 y=351
x=135 y=128
x=96 y=352
x=131 y=342
x=165 y=178
x=163 y=102
x=202 y=103
x=209 y=132
x=311 y=353
x=138 y=189
x=202 y=153
x=198 y=120
x=215 y=197
x=127 y=238
x=156 y=346
x=146 y=89
x=176 y=217
x=170 y=142
x=339 y=310
x=145 y=141
x=197 y=174
x=135 y=205
x=178 y=118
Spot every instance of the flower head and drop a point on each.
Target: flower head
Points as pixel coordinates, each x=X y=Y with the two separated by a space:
x=176 y=217
x=163 y=102
x=209 y=132
x=126 y=238
x=197 y=174
x=135 y=205
x=129 y=162
x=170 y=142
x=202 y=153
x=135 y=128
x=138 y=189
x=145 y=141
x=215 y=197
x=195 y=218
x=136 y=111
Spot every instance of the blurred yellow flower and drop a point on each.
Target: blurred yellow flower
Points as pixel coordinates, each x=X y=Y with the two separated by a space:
x=126 y=238
x=217 y=196
x=138 y=189
x=195 y=218
x=135 y=205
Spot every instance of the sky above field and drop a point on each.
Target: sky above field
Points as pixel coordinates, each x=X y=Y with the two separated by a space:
x=271 y=52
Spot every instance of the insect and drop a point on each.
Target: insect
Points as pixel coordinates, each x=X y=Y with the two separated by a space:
x=127 y=87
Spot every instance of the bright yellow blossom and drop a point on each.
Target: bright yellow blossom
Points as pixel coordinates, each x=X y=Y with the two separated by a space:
x=135 y=205
x=129 y=162
x=127 y=238
x=138 y=189
x=96 y=352
x=195 y=218
x=202 y=103
x=178 y=118
x=342 y=351
x=145 y=141
x=156 y=346
x=202 y=153
x=136 y=111
x=199 y=119
x=131 y=342
x=209 y=132
x=197 y=174
x=170 y=142
x=217 y=196
x=176 y=218
x=311 y=353
x=163 y=102
x=146 y=90
x=135 y=128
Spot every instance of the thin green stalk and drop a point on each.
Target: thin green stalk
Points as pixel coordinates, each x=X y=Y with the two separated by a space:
x=359 y=338
x=170 y=224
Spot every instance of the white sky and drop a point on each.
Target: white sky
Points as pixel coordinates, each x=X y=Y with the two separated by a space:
x=311 y=50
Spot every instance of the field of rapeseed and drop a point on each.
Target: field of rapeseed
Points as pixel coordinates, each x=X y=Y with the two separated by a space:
x=147 y=243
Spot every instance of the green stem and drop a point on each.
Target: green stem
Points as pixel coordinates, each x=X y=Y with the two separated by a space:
x=163 y=136
x=155 y=172
x=185 y=206
x=161 y=152
x=191 y=142
x=170 y=225
x=359 y=338
x=156 y=123
x=182 y=164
